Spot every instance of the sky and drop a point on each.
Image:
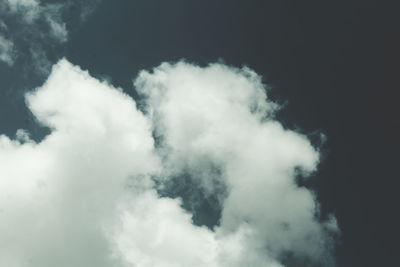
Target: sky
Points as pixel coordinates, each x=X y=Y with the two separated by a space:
x=198 y=133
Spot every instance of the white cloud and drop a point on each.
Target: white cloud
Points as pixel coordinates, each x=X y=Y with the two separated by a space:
x=58 y=196
x=6 y=51
x=219 y=118
x=84 y=195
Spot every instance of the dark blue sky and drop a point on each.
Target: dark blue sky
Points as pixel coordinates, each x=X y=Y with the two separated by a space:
x=336 y=63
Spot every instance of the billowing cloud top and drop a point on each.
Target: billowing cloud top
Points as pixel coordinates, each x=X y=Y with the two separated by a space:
x=88 y=194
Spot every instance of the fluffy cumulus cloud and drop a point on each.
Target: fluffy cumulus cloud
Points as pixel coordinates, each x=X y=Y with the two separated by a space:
x=88 y=194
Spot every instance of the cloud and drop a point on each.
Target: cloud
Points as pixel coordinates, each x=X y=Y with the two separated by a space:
x=6 y=51
x=89 y=193
x=31 y=11
x=58 y=196
x=218 y=118
x=41 y=26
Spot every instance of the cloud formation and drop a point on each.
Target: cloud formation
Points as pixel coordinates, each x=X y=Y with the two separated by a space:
x=89 y=193
x=39 y=25
x=6 y=51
